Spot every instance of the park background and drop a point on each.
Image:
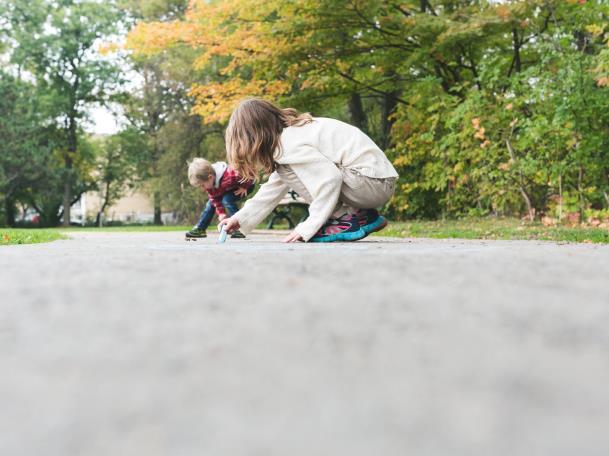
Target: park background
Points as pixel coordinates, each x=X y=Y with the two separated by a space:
x=493 y=112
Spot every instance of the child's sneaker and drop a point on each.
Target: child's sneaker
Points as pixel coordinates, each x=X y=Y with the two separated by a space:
x=370 y=220
x=344 y=229
x=196 y=233
x=237 y=235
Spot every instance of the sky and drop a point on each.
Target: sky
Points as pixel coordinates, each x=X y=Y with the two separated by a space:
x=103 y=122
x=109 y=120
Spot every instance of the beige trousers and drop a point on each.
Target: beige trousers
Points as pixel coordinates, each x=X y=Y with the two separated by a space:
x=356 y=192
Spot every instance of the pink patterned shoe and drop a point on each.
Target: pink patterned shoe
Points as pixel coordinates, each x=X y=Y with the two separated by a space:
x=344 y=229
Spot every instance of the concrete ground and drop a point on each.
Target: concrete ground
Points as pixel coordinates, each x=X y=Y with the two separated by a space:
x=142 y=344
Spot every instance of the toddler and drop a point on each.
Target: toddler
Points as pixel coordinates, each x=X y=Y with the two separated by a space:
x=224 y=187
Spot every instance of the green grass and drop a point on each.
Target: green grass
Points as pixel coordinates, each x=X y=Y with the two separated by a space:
x=126 y=228
x=9 y=236
x=472 y=228
x=495 y=228
x=28 y=236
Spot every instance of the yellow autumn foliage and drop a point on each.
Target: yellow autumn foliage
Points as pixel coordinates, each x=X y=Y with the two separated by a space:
x=241 y=35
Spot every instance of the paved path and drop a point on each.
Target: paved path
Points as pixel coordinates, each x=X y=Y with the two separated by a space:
x=144 y=345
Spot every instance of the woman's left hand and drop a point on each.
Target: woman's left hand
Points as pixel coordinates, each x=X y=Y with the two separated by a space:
x=293 y=237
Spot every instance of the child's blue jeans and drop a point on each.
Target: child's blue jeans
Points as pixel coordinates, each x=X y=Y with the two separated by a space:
x=229 y=201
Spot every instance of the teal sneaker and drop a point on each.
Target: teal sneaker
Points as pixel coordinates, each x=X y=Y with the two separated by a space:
x=343 y=229
x=371 y=221
x=196 y=233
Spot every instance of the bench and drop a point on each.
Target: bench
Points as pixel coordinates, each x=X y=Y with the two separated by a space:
x=291 y=207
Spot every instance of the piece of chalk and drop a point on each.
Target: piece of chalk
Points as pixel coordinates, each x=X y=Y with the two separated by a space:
x=223 y=234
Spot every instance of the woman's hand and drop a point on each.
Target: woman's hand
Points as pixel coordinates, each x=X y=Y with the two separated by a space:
x=230 y=224
x=293 y=237
x=240 y=192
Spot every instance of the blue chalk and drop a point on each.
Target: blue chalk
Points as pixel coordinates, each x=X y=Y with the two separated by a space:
x=223 y=235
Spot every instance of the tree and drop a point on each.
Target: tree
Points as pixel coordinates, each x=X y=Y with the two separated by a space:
x=161 y=110
x=45 y=194
x=26 y=141
x=55 y=42
x=304 y=51
x=523 y=133
x=118 y=158
x=484 y=107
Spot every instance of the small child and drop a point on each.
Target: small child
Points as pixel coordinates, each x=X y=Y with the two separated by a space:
x=224 y=187
x=334 y=166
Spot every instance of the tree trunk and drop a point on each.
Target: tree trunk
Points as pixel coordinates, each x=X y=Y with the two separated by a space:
x=98 y=219
x=71 y=153
x=527 y=201
x=67 y=199
x=388 y=105
x=157 y=209
x=523 y=192
x=516 y=65
x=9 y=211
x=67 y=185
x=560 y=198
x=580 y=191
x=517 y=44
x=356 y=109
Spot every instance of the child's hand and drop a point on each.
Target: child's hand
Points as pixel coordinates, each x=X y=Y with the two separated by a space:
x=293 y=237
x=221 y=217
x=231 y=224
x=240 y=192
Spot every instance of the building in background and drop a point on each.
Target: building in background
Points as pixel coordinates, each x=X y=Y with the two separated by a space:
x=134 y=207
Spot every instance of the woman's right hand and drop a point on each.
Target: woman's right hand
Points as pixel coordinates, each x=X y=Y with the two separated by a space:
x=231 y=224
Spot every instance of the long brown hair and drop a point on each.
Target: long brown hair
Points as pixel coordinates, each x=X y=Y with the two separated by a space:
x=253 y=135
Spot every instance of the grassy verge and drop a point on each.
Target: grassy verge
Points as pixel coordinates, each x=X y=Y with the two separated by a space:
x=493 y=228
x=472 y=228
x=28 y=236
x=126 y=228
x=477 y=228
x=10 y=236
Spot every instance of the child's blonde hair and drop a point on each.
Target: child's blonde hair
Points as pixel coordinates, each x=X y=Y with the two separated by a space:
x=253 y=135
x=199 y=171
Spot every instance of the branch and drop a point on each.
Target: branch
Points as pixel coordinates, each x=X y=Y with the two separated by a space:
x=403 y=11
x=373 y=89
x=372 y=24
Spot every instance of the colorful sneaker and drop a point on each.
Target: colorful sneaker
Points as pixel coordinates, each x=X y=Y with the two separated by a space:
x=237 y=235
x=196 y=233
x=370 y=220
x=344 y=229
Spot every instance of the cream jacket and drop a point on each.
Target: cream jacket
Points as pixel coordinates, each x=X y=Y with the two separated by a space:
x=316 y=152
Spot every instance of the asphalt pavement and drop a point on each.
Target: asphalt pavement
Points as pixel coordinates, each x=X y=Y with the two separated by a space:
x=142 y=344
